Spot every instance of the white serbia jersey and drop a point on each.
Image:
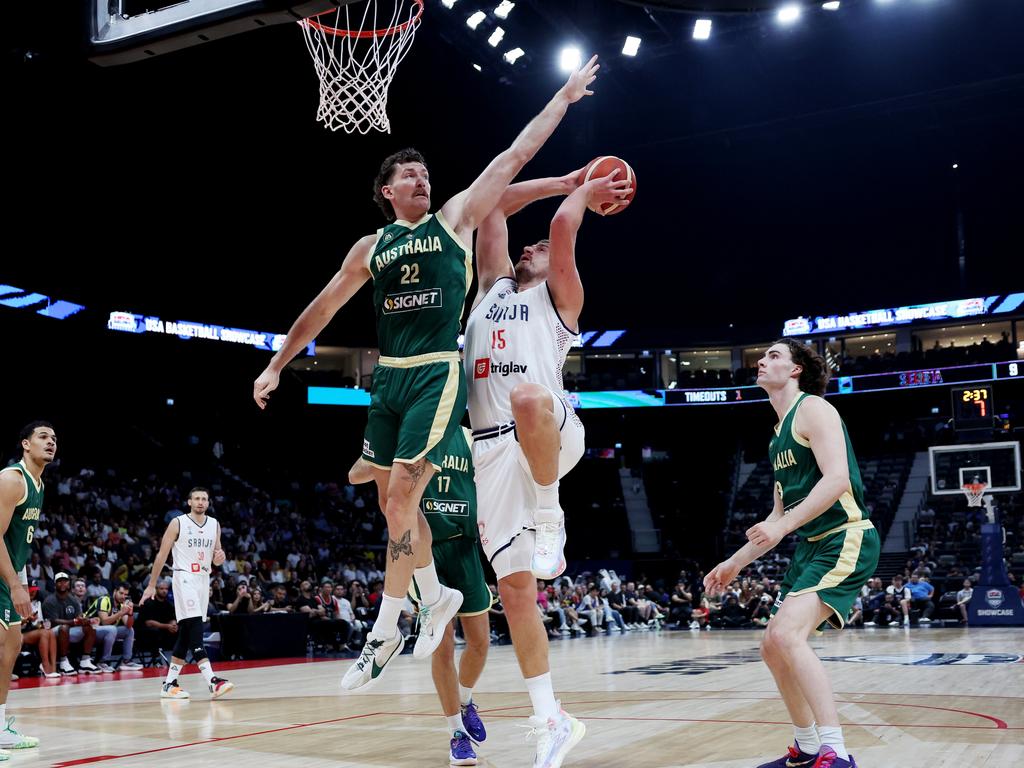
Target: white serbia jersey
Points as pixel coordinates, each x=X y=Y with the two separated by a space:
x=193 y=549
x=513 y=337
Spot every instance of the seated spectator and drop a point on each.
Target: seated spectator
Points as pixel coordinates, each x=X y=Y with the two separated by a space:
x=856 y=617
x=35 y=630
x=117 y=622
x=762 y=611
x=241 y=602
x=496 y=614
x=963 y=597
x=612 y=617
x=69 y=625
x=551 y=610
x=681 y=605
x=280 y=602
x=159 y=630
x=901 y=597
x=921 y=597
x=256 y=602
x=329 y=627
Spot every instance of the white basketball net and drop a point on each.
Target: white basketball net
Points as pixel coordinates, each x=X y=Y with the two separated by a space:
x=974 y=493
x=356 y=56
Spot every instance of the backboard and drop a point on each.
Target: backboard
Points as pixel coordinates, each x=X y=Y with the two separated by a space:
x=995 y=464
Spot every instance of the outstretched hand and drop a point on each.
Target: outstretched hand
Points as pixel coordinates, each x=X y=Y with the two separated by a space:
x=576 y=87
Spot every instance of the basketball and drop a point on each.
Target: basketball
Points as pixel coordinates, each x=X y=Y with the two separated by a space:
x=602 y=166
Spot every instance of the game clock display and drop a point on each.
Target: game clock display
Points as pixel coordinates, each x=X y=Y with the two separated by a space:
x=973 y=406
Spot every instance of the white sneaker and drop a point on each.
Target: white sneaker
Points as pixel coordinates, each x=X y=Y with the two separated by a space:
x=906 y=621
x=924 y=621
x=555 y=738
x=173 y=691
x=85 y=665
x=129 y=666
x=549 y=544
x=65 y=668
x=44 y=673
x=433 y=620
x=104 y=667
x=371 y=662
x=869 y=623
x=12 y=738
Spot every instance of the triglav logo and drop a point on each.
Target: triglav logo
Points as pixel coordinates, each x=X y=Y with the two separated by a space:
x=409 y=302
x=482 y=368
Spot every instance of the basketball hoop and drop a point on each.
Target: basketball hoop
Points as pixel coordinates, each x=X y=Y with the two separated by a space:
x=356 y=59
x=974 y=493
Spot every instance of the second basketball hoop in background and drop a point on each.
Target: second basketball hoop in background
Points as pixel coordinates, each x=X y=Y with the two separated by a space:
x=356 y=54
x=602 y=166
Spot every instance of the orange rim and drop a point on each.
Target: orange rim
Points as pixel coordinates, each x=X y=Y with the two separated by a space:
x=364 y=35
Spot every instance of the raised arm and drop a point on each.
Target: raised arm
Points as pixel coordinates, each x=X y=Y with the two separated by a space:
x=468 y=209
x=492 y=256
x=12 y=490
x=161 y=557
x=343 y=286
x=563 y=277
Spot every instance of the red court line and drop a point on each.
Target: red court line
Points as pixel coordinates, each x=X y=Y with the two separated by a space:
x=1000 y=725
x=101 y=758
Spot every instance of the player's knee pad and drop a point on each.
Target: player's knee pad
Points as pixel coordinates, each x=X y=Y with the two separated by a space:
x=195 y=639
x=180 y=650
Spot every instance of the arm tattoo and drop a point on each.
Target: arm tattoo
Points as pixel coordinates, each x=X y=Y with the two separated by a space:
x=401 y=547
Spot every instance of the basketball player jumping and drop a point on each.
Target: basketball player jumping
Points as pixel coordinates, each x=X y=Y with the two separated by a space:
x=819 y=495
x=421 y=265
x=21 y=500
x=194 y=539
x=525 y=434
x=449 y=505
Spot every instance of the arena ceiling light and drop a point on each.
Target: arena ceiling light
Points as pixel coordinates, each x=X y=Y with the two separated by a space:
x=496 y=37
x=504 y=9
x=449 y=3
x=570 y=59
x=702 y=29
x=514 y=55
x=474 y=21
x=832 y=5
x=631 y=46
x=788 y=13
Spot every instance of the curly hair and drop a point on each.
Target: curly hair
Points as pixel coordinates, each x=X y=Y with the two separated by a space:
x=387 y=169
x=815 y=374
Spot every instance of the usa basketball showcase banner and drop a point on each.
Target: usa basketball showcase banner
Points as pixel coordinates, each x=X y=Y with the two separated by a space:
x=995 y=600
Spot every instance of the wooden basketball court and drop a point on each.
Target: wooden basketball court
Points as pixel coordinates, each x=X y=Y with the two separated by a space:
x=920 y=697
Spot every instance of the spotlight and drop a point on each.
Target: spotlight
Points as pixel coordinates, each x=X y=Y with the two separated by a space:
x=570 y=59
x=512 y=56
x=478 y=68
x=449 y=3
x=788 y=13
x=702 y=29
x=631 y=46
x=474 y=21
x=496 y=36
x=504 y=9
x=832 y=5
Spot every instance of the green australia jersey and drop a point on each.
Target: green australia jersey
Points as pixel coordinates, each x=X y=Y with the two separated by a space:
x=449 y=502
x=421 y=274
x=25 y=518
x=796 y=473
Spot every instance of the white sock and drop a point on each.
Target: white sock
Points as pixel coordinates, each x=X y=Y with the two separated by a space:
x=542 y=696
x=455 y=723
x=387 y=619
x=207 y=669
x=807 y=739
x=427 y=585
x=465 y=695
x=547 y=495
x=833 y=737
x=172 y=672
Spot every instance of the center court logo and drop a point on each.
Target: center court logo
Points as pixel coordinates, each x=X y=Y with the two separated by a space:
x=451 y=508
x=411 y=301
x=933 y=659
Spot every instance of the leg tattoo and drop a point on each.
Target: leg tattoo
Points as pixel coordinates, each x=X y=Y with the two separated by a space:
x=401 y=547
